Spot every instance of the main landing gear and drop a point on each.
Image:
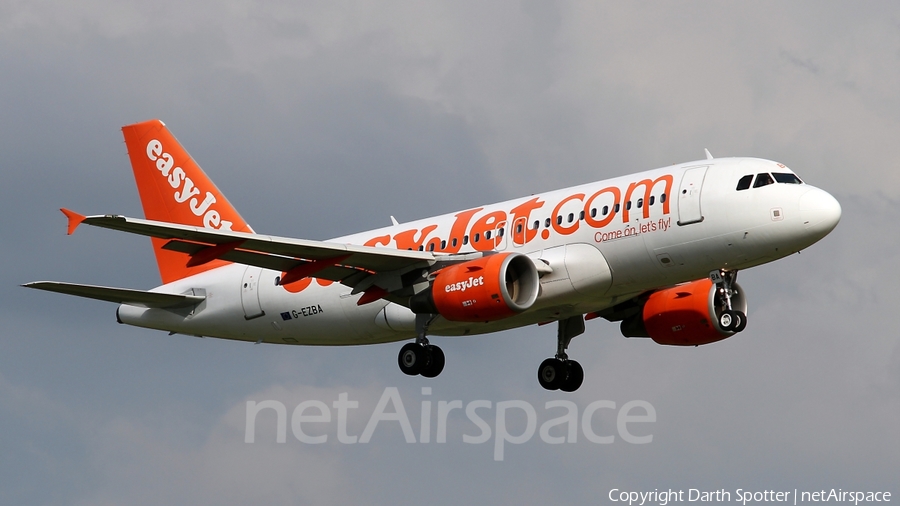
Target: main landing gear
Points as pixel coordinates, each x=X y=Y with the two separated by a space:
x=421 y=357
x=560 y=373
x=730 y=319
x=557 y=373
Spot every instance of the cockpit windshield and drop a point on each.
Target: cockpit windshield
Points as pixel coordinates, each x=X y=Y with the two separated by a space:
x=765 y=179
x=786 y=177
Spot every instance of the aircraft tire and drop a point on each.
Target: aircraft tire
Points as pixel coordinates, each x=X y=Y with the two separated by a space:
x=412 y=358
x=435 y=363
x=552 y=373
x=574 y=376
x=728 y=320
x=742 y=321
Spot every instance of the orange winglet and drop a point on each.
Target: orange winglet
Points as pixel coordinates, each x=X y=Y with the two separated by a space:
x=75 y=219
x=307 y=269
x=371 y=295
x=211 y=253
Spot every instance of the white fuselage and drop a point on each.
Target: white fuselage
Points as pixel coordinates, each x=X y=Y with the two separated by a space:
x=605 y=242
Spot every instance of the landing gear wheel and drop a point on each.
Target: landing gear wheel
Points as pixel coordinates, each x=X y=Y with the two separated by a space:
x=560 y=373
x=574 y=377
x=435 y=361
x=412 y=358
x=552 y=373
x=728 y=320
x=728 y=301
x=742 y=321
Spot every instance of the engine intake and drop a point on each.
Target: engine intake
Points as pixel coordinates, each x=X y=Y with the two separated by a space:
x=482 y=290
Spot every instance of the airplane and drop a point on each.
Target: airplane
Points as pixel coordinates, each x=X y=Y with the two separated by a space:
x=658 y=251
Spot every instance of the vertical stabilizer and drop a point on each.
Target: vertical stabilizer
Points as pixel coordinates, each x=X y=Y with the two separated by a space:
x=174 y=189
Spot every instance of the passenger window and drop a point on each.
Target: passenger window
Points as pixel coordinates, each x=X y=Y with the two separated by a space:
x=640 y=203
x=487 y=235
x=744 y=182
x=500 y=232
x=581 y=215
x=443 y=244
x=593 y=212
x=537 y=224
x=605 y=210
x=559 y=220
x=477 y=237
x=465 y=239
x=628 y=206
x=454 y=242
x=786 y=177
x=617 y=207
x=571 y=218
x=547 y=223
x=763 y=180
x=431 y=247
x=652 y=198
x=519 y=228
x=662 y=198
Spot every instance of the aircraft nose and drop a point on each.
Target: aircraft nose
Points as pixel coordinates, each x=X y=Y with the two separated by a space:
x=820 y=212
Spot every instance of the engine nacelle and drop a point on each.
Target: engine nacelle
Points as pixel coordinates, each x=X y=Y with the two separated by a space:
x=482 y=290
x=685 y=315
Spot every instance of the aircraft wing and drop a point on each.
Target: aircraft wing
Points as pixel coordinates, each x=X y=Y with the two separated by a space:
x=120 y=295
x=355 y=266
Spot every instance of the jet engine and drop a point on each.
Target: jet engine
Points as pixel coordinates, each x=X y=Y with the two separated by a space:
x=691 y=314
x=482 y=290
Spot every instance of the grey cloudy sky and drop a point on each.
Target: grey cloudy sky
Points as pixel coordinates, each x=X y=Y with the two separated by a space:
x=320 y=119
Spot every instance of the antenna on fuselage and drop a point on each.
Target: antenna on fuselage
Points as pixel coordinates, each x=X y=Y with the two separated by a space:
x=394 y=221
x=709 y=155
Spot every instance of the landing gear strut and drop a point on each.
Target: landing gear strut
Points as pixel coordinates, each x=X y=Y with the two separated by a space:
x=730 y=320
x=560 y=373
x=421 y=357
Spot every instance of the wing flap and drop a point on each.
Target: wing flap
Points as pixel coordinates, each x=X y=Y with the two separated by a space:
x=274 y=262
x=363 y=257
x=139 y=298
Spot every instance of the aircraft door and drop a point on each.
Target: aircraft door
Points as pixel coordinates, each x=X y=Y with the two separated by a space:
x=518 y=232
x=250 y=293
x=689 y=196
x=499 y=236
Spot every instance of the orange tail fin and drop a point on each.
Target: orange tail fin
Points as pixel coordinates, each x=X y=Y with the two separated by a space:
x=174 y=189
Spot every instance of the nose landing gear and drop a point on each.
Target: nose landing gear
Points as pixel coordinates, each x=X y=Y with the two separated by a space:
x=560 y=373
x=730 y=319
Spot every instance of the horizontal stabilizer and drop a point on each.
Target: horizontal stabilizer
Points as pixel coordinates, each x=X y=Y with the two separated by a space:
x=119 y=295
